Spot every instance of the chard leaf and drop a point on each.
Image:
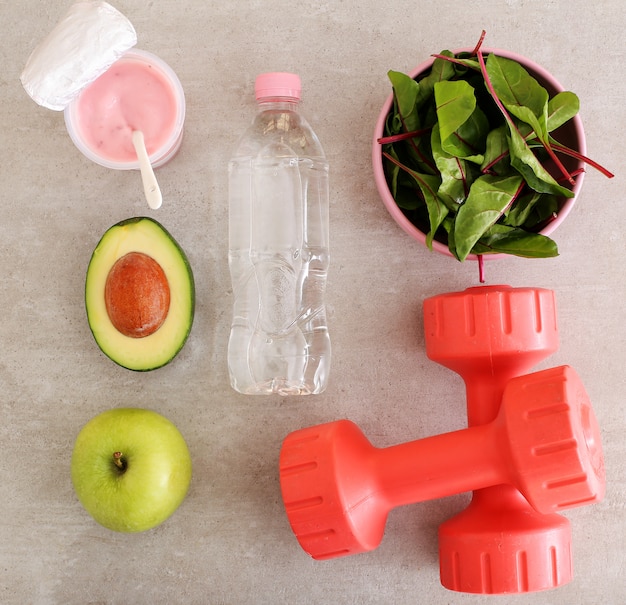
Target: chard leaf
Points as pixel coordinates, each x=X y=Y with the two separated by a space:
x=456 y=175
x=392 y=168
x=441 y=71
x=512 y=240
x=462 y=125
x=469 y=142
x=428 y=185
x=448 y=226
x=437 y=210
x=527 y=164
x=416 y=148
x=530 y=210
x=408 y=197
x=405 y=93
x=520 y=93
x=488 y=198
x=455 y=103
x=497 y=151
x=561 y=108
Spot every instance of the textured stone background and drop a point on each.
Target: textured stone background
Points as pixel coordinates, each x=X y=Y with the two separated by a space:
x=230 y=541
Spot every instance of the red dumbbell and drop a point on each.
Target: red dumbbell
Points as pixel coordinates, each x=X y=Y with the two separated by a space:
x=338 y=489
x=499 y=544
x=488 y=335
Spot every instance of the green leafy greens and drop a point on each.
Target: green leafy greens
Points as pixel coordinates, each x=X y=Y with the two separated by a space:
x=465 y=151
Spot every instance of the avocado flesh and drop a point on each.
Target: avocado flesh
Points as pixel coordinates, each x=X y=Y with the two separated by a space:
x=144 y=235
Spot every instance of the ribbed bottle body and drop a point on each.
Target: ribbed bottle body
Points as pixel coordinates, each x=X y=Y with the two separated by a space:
x=278 y=256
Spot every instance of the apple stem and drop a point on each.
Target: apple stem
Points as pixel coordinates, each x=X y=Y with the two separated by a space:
x=119 y=461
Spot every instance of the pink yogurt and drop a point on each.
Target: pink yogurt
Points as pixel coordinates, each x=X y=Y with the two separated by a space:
x=138 y=92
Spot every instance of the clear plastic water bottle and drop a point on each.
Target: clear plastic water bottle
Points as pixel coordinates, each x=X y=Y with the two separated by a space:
x=278 y=248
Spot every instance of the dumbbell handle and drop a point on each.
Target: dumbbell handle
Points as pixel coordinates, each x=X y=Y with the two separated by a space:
x=484 y=397
x=440 y=466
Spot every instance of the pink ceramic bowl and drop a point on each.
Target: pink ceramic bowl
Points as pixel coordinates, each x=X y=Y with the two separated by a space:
x=570 y=134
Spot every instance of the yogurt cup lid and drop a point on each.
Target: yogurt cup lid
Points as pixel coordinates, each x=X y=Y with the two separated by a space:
x=81 y=47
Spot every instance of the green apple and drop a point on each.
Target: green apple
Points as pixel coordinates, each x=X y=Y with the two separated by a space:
x=130 y=468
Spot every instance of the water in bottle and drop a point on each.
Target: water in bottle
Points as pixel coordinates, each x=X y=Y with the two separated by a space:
x=278 y=248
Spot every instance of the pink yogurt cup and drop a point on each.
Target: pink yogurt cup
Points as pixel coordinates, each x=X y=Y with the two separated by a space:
x=138 y=92
x=570 y=134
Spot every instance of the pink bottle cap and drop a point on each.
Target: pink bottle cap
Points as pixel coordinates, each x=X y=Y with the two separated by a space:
x=277 y=84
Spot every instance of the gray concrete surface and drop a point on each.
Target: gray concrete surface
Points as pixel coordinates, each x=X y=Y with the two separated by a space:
x=230 y=542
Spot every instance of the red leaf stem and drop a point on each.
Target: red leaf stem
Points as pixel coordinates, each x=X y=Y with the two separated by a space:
x=403 y=136
x=582 y=158
x=488 y=167
x=398 y=163
x=555 y=159
x=514 y=198
x=577 y=171
x=573 y=174
x=450 y=59
x=479 y=43
x=481 y=268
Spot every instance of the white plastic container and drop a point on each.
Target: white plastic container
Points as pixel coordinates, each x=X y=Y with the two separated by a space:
x=149 y=97
x=278 y=248
x=88 y=68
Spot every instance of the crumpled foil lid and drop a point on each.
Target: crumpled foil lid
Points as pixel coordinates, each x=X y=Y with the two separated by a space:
x=81 y=47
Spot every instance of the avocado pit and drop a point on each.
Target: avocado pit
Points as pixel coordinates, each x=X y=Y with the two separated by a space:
x=137 y=295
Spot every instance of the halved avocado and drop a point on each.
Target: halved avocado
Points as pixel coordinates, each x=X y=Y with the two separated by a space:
x=139 y=295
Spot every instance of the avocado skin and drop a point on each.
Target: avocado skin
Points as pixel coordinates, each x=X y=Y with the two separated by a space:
x=160 y=348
